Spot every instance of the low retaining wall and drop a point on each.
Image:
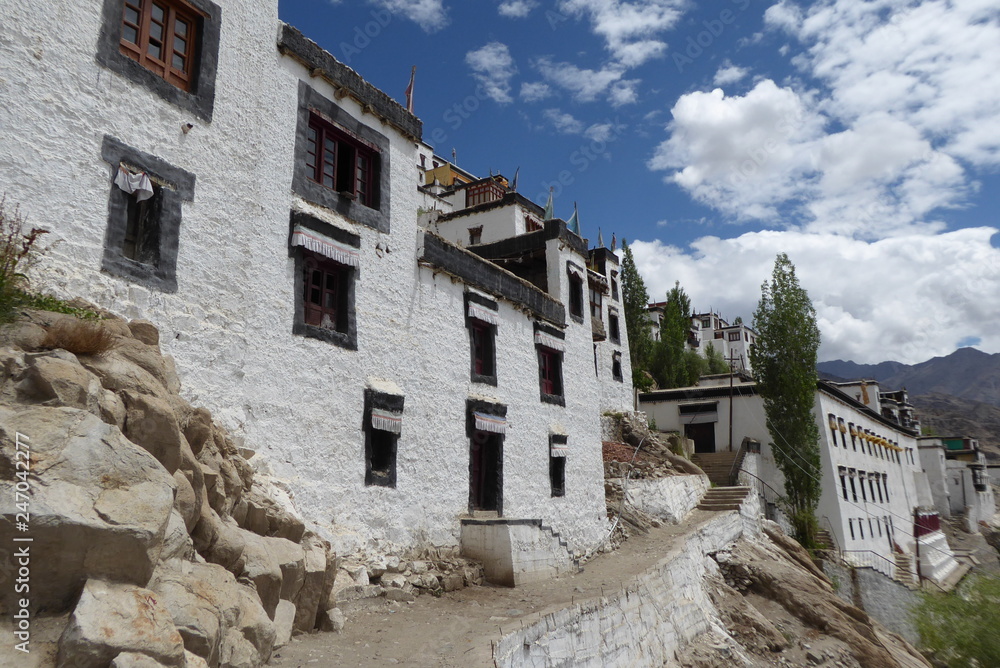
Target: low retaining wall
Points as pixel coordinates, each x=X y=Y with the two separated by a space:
x=669 y=499
x=886 y=600
x=644 y=623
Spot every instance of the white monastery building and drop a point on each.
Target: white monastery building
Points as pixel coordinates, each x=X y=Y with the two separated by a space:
x=407 y=345
x=733 y=341
x=876 y=501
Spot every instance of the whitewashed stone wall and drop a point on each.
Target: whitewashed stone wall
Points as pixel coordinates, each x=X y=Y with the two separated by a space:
x=669 y=499
x=296 y=401
x=643 y=624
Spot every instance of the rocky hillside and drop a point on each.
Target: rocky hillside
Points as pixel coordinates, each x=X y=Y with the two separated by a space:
x=967 y=373
x=949 y=416
x=155 y=540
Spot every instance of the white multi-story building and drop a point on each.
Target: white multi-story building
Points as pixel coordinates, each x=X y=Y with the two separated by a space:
x=876 y=497
x=216 y=172
x=733 y=341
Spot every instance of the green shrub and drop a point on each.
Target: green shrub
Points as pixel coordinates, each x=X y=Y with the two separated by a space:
x=960 y=628
x=18 y=252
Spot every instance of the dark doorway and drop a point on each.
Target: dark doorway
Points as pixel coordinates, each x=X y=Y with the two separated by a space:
x=486 y=471
x=703 y=436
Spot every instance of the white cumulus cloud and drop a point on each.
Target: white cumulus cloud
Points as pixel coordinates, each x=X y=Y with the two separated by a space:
x=898 y=298
x=516 y=9
x=632 y=31
x=428 y=14
x=534 y=91
x=493 y=66
x=587 y=85
x=728 y=74
x=563 y=122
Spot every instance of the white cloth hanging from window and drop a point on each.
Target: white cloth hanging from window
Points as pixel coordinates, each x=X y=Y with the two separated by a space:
x=137 y=184
x=549 y=341
x=491 y=423
x=387 y=420
x=480 y=312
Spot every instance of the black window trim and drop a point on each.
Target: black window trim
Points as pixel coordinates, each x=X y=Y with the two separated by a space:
x=470 y=322
x=311 y=102
x=554 y=491
x=383 y=401
x=175 y=186
x=348 y=339
x=201 y=99
x=557 y=399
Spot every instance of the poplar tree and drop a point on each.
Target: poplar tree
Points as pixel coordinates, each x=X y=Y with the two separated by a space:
x=635 y=300
x=784 y=365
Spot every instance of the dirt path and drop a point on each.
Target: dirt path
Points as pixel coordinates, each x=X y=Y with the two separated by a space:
x=456 y=629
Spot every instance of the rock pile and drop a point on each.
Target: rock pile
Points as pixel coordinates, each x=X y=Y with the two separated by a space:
x=399 y=579
x=147 y=521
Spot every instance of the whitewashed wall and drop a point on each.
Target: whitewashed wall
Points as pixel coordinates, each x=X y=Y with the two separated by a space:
x=297 y=401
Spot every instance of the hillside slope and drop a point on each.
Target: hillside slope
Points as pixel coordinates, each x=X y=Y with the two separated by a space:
x=967 y=373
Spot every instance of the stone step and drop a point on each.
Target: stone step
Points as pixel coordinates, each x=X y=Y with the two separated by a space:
x=707 y=505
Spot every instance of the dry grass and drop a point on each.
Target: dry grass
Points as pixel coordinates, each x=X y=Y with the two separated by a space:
x=80 y=337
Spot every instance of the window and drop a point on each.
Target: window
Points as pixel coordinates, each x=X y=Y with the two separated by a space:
x=144 y=216
x=557 y=464
x=576 y=296
x=854 y=491
x=706 y=323
x=614 y=285
x=160 y=35
x=169 y=46
x=325 y=293
x=326 y=263
x=843 y=481
x=854 y=437
x=475 y=235
x=481 y=320
x=616 y=366
x=850 y=523
x=483 y=354
x=734 y=336
x=383 y=421
x=531 y=224
x=341 y=163
x=843 y=432
x=833 y=428
x=613 y=327
x=550 y=372
x=596 y=301
x=486 y=425
x=718 y=334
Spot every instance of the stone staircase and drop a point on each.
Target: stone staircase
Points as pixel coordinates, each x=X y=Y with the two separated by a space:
x=824 y=540
x=904 y=573
x=723 y=498
x=718 y=466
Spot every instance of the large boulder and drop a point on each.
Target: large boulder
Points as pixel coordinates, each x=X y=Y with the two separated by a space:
x=276 y=567
x=204 y=602
x=99 y=505
x=313 y=590
x=57 y=379
x=269 y=511
x=111 y=619
x=150 y=423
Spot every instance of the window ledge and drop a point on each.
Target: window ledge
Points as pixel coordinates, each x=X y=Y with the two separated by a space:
x=330 y=336
x=556 y=399
x=485 y=380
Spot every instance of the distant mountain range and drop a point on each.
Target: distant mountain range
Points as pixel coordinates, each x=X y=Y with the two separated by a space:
x=955 y=395
x=967 y=373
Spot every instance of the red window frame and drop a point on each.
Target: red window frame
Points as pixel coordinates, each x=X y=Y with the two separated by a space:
x=324 y=296
x=550 y=370
x=153 y=29
x=339 y=162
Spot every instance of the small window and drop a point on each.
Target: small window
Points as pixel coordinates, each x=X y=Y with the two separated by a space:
x=550 y=374
x=144 y=216
x=383 y=420
x=734 y=336
x=161 y=36
x=616 y=367
x=557 y=465
x=596 y=301
x=613 y=327
x=325 y=298
x=483 y=339
x=341 y=163
x=614 y=285
x=706 y=323
x=531 y=224
x=475 y=235
x=718 y=334
x=576 y=296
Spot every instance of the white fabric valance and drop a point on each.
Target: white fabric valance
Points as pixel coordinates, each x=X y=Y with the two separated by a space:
x=387 y=420
x=549 y=341
x=324 y=245
x=137 y=184
x=575 y=270
x=480 y=312
x=491 y=423
x=558 y=449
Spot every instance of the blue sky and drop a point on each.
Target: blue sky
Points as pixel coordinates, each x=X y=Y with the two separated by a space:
x=862 y=138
